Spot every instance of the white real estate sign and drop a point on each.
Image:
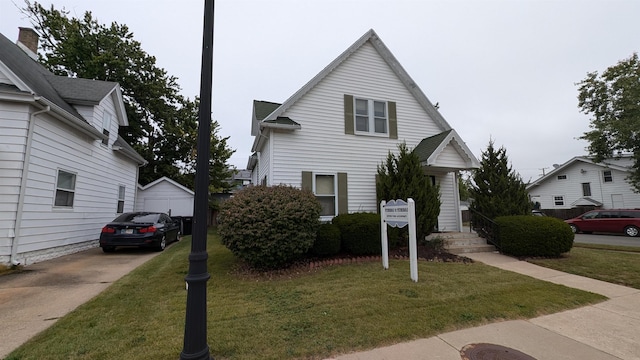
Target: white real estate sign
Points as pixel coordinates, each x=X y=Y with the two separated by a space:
x=398 y=213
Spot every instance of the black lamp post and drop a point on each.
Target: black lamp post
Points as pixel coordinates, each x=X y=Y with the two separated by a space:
x=195 y=329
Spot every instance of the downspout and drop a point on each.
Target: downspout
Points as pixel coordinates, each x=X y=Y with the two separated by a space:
x=23 y=186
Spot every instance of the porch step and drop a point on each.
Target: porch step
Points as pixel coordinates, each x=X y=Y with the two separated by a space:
x=462 y=242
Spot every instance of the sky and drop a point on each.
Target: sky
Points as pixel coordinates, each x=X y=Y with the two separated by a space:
x=501 y=70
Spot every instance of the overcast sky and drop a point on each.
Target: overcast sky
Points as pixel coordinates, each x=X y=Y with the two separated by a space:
x=504 y=70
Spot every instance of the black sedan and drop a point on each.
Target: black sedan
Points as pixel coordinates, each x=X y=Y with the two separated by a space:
x=143 y=229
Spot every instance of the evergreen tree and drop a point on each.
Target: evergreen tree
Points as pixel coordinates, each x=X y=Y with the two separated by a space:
x=401 y=177
x=497 y=189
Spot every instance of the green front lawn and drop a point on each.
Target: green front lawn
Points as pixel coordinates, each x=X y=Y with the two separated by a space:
x=614 y=264
x=304 y=315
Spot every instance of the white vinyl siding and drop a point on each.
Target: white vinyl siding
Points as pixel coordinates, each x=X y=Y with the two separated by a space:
x=98 y=171
x=321 y=144
x=166 y=197
x=577 y=174
x=14 y=124
x=449 y=218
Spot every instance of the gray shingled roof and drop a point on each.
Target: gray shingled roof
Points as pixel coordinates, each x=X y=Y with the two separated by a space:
x=427 y=146
x=264 y=108
x=81 y=91
x=60 y=90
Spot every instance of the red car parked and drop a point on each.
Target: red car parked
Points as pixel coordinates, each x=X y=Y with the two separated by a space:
x=609 y=221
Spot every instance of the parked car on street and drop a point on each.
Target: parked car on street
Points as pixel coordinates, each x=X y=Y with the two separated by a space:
x=608 y=221
x=142 y=229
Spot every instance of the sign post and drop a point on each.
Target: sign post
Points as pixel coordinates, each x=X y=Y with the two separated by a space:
x=398 y=213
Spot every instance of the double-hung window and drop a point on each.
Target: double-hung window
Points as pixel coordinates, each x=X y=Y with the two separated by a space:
x=607 y=175
x=121 y=191
x=371 y=116
x=65 y=189
x=558 y=200
x=586 y=189
x=324 y=188
x=106 y=126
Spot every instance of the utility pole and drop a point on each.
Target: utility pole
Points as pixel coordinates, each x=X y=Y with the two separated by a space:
x=195 y=328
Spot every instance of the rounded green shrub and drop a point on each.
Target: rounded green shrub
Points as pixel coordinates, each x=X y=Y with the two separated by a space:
x=526 y=235
x=269 y=227
x=327 y=240
x=360 y=233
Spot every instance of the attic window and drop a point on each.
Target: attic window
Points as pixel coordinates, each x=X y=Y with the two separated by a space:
x=562 y=177
x=608 y=176
x=371 y=116
x=106 y=126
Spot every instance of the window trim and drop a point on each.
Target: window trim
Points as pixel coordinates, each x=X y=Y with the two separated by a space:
x=106 y=126
x=558 y=198
x=371 y=117
x=335 y=193
x=71 y=191
x=604 y=176
x=121 y=198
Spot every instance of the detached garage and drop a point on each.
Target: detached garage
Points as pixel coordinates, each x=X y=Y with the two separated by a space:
x=166 y=195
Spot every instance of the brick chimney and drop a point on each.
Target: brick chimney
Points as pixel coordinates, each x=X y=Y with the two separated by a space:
x=28 y=38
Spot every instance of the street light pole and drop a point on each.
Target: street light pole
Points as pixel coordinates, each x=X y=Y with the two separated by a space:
x=195 y=329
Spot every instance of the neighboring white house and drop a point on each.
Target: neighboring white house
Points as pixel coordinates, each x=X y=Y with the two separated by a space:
x=331 y=135
x=64 y=171
x=167 y=196
x=583 y=182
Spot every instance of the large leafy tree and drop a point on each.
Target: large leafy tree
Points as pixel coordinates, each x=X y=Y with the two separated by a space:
x=162 y=122
x=401 y=176
x=498 y=190
x=613 y=101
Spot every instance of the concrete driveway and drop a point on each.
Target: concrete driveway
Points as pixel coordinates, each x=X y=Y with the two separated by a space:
x=33 y=299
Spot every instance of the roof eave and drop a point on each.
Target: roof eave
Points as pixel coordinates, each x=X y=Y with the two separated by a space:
x=72 y=120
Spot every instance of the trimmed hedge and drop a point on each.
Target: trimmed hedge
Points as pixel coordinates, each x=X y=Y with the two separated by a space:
x=360 y=233
x=269 y=227
x=327 y=240
x=526 y=235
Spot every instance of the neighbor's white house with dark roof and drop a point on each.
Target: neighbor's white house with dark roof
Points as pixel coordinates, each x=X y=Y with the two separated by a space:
x=64 y=171
x=331 y=135
x=583 y=182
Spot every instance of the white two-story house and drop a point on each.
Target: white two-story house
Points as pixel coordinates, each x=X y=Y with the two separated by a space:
x=333 y=133
x=581 y=182
x=64 y=171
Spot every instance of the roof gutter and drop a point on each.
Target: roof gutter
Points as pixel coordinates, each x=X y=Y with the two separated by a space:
x=15 y=232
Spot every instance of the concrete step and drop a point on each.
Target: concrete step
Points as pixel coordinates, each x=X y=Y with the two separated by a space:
x=462 y=242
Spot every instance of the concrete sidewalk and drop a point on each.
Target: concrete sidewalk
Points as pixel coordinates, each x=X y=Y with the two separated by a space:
x=606 y=331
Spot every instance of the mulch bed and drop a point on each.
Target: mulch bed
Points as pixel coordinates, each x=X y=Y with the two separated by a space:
x=308 y=265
